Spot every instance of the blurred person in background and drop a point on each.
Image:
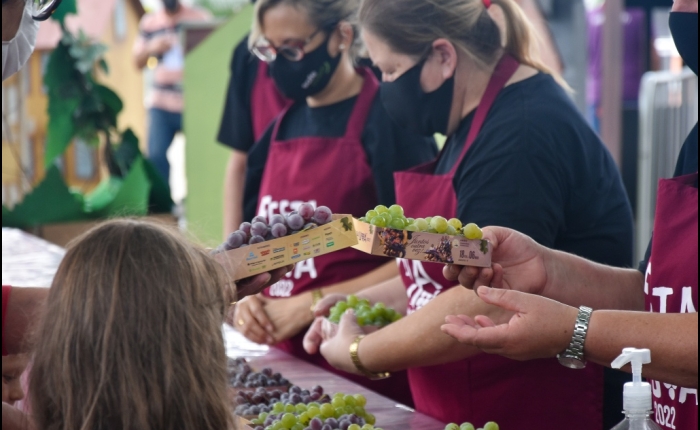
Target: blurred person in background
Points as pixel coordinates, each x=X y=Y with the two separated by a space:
x=158 y=47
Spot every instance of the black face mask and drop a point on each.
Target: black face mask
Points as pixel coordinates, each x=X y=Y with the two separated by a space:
x=684 y=29
x=171 y=5
x=417 y=111
x=298 y=80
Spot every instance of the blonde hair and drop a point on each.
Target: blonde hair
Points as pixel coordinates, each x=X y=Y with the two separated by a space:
x=411 y=26
x=321 y=13
x=131 y=337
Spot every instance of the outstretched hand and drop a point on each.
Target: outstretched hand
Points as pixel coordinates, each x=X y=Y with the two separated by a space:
x=518 y=263
x=540 y=327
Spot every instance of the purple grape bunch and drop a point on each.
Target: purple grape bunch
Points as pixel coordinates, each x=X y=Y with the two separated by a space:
x=260 y=229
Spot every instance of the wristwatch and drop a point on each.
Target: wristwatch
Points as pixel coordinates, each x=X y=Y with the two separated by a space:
x=573 y=357
x=354 y=355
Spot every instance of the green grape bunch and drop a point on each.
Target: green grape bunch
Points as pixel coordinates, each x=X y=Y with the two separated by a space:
x=367 y=315
x=394 y=217
x=469 y=426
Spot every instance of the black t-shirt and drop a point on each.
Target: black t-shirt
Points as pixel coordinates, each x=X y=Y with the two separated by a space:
x=389 y=148
x=236 y=128
x=537 y=167
x=687 y=164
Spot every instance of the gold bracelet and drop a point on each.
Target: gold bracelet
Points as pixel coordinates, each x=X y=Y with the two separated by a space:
x=355 y=356
x=316 y=296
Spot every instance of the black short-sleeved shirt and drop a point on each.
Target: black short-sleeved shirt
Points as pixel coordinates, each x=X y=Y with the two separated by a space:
x=236 y=128
x=687 y=164
x=389 y=148
x=537 y=167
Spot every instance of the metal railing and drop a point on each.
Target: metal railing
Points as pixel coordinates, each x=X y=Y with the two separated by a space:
x=668 y=110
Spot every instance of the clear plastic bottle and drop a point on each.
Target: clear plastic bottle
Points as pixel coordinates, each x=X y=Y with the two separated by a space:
x=637 y=394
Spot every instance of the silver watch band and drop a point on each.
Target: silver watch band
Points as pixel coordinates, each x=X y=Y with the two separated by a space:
x=575 y=350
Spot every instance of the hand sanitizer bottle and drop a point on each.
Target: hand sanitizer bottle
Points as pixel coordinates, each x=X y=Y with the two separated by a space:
x=637 y=394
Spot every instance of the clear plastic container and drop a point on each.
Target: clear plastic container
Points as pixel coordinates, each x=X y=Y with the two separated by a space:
x=637 y=422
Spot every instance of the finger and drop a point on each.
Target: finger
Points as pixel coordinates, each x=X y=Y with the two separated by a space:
x=250 y=327
x=497 y=279
x=253 y=285
x=506 y=299
x=258 y=312
x=492 y=339
x=463 y=333
x=451 y=271
x=323 y=307
x=460 y=320
x=484 y=321
x=313 y=338
x=468 y=275
x=348 y=324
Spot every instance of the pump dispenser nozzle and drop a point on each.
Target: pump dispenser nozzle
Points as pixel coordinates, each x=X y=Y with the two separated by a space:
x=637 y=395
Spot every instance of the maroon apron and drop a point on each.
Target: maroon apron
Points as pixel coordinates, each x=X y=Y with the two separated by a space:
x=266 y=101
x=333 y=172
x=531 y=395
x=672 y=286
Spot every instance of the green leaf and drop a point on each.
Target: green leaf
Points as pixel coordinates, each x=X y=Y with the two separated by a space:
x=160 y=200
x=51 y=201
x=66 y=7
x=103 y=194
x=132 y=198
x=60 y=130
x=61 y=77
x=103 y=65
x=110 y=103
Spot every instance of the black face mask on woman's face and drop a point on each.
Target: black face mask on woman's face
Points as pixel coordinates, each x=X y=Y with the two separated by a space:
x=684 y=29
x=415 y=110
x=298 y=80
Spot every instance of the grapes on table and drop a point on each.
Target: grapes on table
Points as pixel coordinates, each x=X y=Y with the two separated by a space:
x=260 y=229
x=491 y=425
x=367 y=315
x=394 y=217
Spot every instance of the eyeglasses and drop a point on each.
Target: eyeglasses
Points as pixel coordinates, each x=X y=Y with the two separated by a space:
x=293 y=51
x=43 y=9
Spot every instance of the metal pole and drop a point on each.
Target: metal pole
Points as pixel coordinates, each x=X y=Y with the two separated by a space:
x=611 y=99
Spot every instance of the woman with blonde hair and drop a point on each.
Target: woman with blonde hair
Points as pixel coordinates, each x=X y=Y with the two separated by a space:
x=519 y=154
x=131 y=337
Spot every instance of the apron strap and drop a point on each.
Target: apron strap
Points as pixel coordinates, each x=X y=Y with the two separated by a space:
x=505 y=69
x=363 y=104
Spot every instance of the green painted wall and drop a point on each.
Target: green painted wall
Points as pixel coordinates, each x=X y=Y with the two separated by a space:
x=205 y=83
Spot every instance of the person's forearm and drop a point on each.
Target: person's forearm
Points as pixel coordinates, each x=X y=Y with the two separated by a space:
x=417 y=341
x=23 y=310
x=141 y=57
x=391 y=292
x=378 y=276
x=672 y=339
x=577 y=281
x=234 y=182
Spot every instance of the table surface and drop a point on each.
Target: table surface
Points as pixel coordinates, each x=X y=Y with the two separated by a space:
x=28 y=261
x=389 y=414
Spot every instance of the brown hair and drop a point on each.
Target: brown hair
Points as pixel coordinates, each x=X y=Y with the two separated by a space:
x=322 y=13
x=131 y=337
x=411 y=26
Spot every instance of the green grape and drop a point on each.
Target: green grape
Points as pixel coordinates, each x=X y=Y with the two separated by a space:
x=300 y=408
x=304 y=418
x=314 y=410
x=338 y=402
x=371 y=214
x=370 y=419
x=397 y=223
x=381 y=209
x=339 y=412
x=432 y=230
x=467 y=426
x=491 y=426
x=428 y=219
x=352 y=301
x=363 y=219
x=298 y=426
x=378 y=221
x=387 y=217
x=439 y=224
x=354 y=427
x=341 y=306
x=396 y=211
x=349 y=410
x=451 y=426
x=363 y=302
x=289 y=408
x=473 y=232
x=350 y=400
x=367 y=427
x=288 y=420
x=360 y=400
x=278 y=408
x=451 y=230
x=277 y=425
x=410 y=220
x=327 y=410
x=421 y=224
x=411 y=227
x=454 y=222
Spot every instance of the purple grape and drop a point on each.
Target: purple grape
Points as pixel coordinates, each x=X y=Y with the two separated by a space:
x=332 y=422
x=295 y=222
x=317 y=389
x=234 y=240
x=278 y=230
x=316 y=424
x=326 y=427
x=306 y=210
x=277 y=219
x=259 y=218
x=295 y=399
x=322 y=215
x=245 y=228
x=256 y=239
x=259 y=229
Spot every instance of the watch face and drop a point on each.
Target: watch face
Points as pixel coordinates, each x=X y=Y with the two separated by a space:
x=571 y=362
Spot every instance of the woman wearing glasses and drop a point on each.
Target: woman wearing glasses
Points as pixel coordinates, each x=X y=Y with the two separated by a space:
x=334 y=146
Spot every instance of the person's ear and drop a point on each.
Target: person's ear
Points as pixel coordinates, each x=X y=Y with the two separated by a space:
x=445 y=53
